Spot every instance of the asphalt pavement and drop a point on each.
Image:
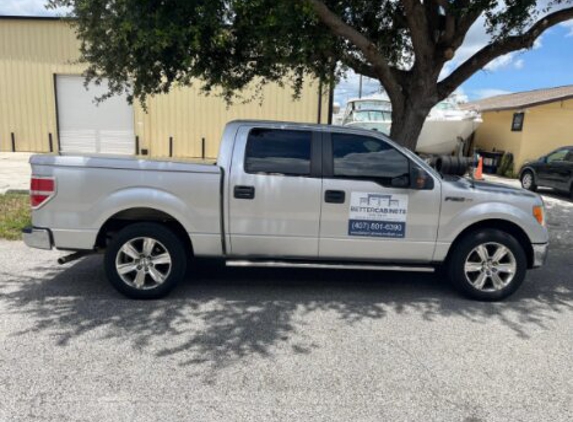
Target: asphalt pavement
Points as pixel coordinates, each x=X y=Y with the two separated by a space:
x=282 y=345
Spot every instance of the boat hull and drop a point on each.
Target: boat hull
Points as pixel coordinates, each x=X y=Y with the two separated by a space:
x=441 y=137
x=438 y=137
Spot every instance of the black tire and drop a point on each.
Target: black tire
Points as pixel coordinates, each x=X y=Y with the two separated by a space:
x=166 y=242
x=465 y=251
x=454 y=166
x=524 y=181
x=444 y=164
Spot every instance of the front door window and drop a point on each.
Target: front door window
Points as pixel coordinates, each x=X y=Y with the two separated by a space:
x=363 y=157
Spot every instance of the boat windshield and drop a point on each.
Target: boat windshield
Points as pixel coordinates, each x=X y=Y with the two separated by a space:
x=369 y=116
x=372 y=105
x=445 y=106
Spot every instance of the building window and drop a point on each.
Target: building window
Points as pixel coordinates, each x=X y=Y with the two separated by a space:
x=517 y=123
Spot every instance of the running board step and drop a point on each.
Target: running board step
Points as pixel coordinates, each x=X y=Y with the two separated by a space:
x=287 y=264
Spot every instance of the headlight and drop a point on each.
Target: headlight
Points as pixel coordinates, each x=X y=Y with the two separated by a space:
x=539 y=214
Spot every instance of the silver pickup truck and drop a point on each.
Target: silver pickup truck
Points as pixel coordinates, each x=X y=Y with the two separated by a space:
x=284 y=194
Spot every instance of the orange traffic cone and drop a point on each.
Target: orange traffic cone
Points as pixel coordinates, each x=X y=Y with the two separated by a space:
x=478 y=173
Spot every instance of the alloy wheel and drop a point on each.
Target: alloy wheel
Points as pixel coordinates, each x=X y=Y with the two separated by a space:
x=527 y=180
x=143 y=263
x=490 y=267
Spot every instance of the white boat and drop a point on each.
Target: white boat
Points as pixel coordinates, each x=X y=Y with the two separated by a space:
x=369 y=113
x=445 y=127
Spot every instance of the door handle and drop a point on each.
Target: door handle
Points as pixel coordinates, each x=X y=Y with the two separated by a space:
x=244 y=192
x=335 y=196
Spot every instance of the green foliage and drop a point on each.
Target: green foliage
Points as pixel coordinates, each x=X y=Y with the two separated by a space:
x=14 y=215
x=144 y=47
x=506 y=164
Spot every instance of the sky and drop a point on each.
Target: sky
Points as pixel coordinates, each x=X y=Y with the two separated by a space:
x=548 y=64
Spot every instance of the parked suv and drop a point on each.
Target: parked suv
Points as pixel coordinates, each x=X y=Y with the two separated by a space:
x=554 y=170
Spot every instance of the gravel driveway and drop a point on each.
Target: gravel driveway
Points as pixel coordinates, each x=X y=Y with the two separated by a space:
x=260 y=345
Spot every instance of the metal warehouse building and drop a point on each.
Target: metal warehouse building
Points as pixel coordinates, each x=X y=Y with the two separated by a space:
x=44 y=106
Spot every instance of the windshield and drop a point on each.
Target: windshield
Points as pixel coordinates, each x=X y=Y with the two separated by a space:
x=372 y=105
x=369 y=115
x=445 y=106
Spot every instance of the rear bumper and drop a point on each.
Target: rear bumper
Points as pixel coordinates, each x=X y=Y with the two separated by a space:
x=539 y=254
x=38 y=238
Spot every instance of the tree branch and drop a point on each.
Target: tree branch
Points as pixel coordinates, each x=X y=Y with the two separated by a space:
x=500 y=48
x=419 y=29
x=358 y=65
x=432 y=8
x=464 y=23
x=381 y=67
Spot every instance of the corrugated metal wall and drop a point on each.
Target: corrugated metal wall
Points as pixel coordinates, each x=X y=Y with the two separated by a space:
x=33 y=51
x=188 y=116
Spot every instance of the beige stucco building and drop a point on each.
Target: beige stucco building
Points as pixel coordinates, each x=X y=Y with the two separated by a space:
x=527 y=124
x=44 y=106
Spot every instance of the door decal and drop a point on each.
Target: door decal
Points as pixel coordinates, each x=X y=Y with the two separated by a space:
x=377 y=215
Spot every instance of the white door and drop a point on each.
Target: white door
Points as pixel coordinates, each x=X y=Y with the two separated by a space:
x=274 y=193
x=90 y=128
x=369 y=210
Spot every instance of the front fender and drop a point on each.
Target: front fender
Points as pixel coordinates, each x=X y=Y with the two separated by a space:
x=450 y=228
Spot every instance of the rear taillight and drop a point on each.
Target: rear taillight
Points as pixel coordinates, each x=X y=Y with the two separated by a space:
x=42 y=189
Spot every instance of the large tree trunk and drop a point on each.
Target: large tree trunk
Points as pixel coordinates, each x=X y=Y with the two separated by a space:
x=407 y=121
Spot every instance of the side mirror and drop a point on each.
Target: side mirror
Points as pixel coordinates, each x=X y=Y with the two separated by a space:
x=400 y=182
x=421 y=180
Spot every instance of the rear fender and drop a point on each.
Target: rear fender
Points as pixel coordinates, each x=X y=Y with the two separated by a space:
x=140 y=197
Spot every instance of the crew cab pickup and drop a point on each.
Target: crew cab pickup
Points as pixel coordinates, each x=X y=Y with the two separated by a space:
x=284 y=194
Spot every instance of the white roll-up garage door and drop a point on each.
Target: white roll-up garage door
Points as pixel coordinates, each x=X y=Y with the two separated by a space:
x=87 y=127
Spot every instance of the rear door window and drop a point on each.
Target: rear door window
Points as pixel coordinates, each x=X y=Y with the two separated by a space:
x=276 y=151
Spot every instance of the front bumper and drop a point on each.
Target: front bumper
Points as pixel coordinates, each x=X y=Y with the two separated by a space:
x=38 y=238
x=539 y=254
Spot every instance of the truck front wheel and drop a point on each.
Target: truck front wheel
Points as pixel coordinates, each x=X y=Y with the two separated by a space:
x=145 y=261
x=488 y=265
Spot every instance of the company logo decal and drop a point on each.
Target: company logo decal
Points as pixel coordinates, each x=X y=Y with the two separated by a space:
x=377 y=215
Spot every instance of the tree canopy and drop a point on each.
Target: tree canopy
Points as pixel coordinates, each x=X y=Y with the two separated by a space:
x=144 y=47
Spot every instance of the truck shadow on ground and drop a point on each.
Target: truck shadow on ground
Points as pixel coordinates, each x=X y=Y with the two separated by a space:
x=221 y=315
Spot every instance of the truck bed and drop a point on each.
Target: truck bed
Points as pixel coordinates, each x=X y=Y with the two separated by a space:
x=125 y=163
x=91 y=190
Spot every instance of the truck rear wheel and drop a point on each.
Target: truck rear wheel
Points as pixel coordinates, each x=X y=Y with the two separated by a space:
x=488 y=265
x=145 y=261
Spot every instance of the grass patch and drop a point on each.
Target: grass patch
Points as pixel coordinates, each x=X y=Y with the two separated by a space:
x=14 y=215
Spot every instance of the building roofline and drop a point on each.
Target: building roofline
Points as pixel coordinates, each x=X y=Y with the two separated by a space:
x=32 y=18
x=522 y=100
x=525 y=105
